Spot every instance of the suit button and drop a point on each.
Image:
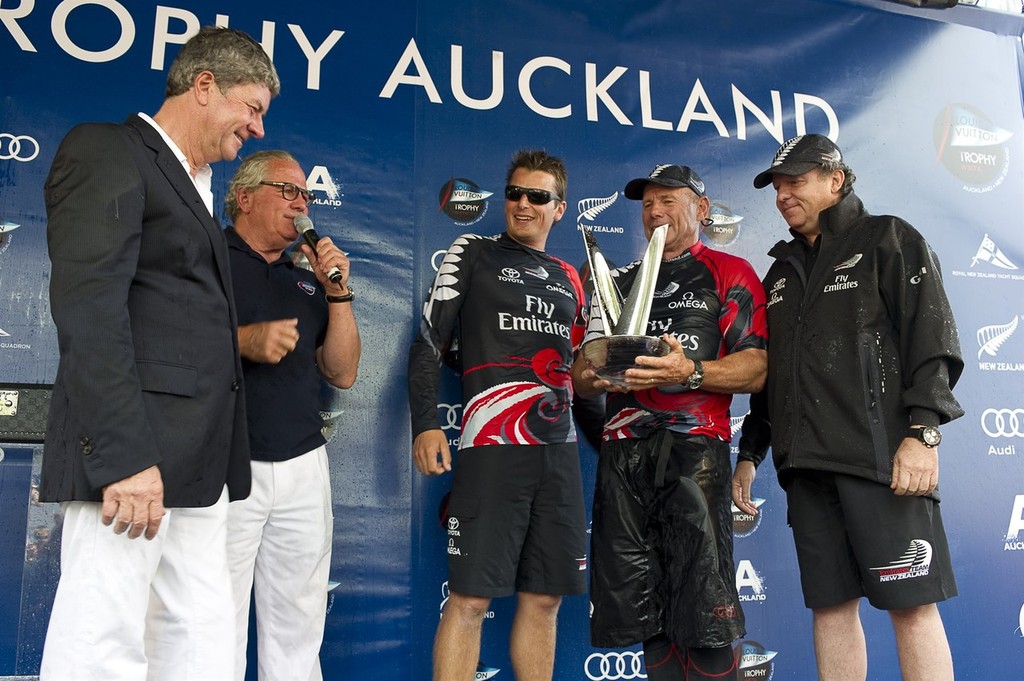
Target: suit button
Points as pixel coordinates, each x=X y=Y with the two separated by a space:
x=234 y=386
x=87 y=449
x=84 y=441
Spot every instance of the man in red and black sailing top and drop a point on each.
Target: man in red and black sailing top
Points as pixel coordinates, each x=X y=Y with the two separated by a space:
x=516 y=521
x=662 y=572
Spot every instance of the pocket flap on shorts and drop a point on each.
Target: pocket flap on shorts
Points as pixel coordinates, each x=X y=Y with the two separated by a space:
x=463 y=507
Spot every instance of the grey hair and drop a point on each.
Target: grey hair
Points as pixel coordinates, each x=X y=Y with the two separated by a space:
x=233 y=57
x=249 y=175
x=829 y=167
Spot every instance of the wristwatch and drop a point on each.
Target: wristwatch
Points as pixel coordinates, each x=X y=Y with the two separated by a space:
x=347 y=297
x=697 y=377
x=929 y=435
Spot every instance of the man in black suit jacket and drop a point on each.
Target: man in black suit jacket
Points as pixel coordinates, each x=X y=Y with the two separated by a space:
x=147 y=424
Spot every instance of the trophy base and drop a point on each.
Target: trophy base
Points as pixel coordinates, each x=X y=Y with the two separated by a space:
x=611 y=356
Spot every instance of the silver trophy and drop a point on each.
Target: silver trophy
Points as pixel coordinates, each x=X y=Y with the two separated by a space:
x=625 y=321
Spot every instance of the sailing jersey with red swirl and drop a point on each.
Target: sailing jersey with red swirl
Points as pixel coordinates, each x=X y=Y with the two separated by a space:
x=517 y=316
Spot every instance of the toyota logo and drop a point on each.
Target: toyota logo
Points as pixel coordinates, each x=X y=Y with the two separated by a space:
x=1003 y=422
x=451 y=416
x=453 y=523
x=612 y=666
x=17 y=147
x=510 y=272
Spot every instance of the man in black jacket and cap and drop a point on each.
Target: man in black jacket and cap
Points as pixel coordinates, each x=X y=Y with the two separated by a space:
x=862 y=361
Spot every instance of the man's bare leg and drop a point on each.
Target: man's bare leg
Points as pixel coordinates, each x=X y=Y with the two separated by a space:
x=533 y=636
x=922 y=644
x=457 y=643
x=839 y=643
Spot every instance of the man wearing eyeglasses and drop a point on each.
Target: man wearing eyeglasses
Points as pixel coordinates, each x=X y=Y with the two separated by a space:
x=515 y=519
x=663 y=572
x=296 y=328
x=146 y=434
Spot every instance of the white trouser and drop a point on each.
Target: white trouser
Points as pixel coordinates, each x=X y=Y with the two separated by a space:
x=282 y=534
x=138 y=609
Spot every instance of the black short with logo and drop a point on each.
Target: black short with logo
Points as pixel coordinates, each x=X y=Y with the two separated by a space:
x=516 y=521
x=855 y=537
x=661 y=546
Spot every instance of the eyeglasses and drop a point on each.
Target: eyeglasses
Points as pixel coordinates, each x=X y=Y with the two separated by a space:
x=291 y=191
x=537 y=197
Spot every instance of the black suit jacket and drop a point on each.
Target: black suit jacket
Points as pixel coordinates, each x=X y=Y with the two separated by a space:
x=141 y=297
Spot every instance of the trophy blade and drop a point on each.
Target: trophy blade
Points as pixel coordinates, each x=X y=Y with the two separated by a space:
x=608 y=297
x=636 y=310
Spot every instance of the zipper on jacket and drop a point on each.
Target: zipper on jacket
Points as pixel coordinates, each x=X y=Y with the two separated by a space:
x=870 y=367
x=798 y=333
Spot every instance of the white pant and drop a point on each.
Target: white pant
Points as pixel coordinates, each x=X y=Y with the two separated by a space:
x=138 y=609
x=283 y=534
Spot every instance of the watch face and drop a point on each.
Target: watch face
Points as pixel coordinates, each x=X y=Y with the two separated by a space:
x=931 y=436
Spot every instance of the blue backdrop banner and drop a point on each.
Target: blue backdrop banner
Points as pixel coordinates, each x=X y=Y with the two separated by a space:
x=405 y=115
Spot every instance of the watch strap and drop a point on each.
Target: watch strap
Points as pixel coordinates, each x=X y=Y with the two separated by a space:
x=348 y=296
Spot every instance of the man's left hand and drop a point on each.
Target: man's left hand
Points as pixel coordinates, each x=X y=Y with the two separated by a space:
x=915 y=468
x=651 y=371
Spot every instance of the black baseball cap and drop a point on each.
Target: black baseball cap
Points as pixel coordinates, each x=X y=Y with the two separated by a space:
x=666 y=176
x=798 y=155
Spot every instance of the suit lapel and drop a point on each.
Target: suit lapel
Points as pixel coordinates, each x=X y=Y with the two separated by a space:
x=179 y=180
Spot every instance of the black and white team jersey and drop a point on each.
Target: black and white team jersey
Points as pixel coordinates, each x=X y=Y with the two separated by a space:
x=714 y=304
x=517 y=316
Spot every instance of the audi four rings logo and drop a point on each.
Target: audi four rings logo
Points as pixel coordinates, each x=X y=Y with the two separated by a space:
x=1003 y=422
x=614 y=666
x=451 y=416
x=17 y=147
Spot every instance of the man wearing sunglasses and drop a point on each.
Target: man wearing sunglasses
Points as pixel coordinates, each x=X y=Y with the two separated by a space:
x=515 y=519
x=663 y=572
x=296 y=328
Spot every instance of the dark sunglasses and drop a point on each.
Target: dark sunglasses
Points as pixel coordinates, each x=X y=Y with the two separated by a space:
x=290 y=191
x=537 y=197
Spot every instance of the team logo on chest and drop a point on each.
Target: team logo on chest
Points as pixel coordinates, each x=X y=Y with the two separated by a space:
x=307 y=288
x=775 y=294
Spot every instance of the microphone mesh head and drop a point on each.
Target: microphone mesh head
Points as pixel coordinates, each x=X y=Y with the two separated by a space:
x=302 y=223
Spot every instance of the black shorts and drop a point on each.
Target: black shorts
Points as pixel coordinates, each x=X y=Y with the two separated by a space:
x=516 y=521
x=661 y=546
x=854 y=537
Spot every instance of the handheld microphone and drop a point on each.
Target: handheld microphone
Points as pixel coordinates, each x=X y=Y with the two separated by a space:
x=304 y=226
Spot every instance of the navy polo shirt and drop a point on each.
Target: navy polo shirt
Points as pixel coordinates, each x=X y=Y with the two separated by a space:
x=282 y=400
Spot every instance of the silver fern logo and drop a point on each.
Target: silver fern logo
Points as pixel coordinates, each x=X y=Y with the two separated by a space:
x=847 y=264
x=447 y=274
x=783 y=152
x=668 y=291
x=590 y=208
x=991 y=338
